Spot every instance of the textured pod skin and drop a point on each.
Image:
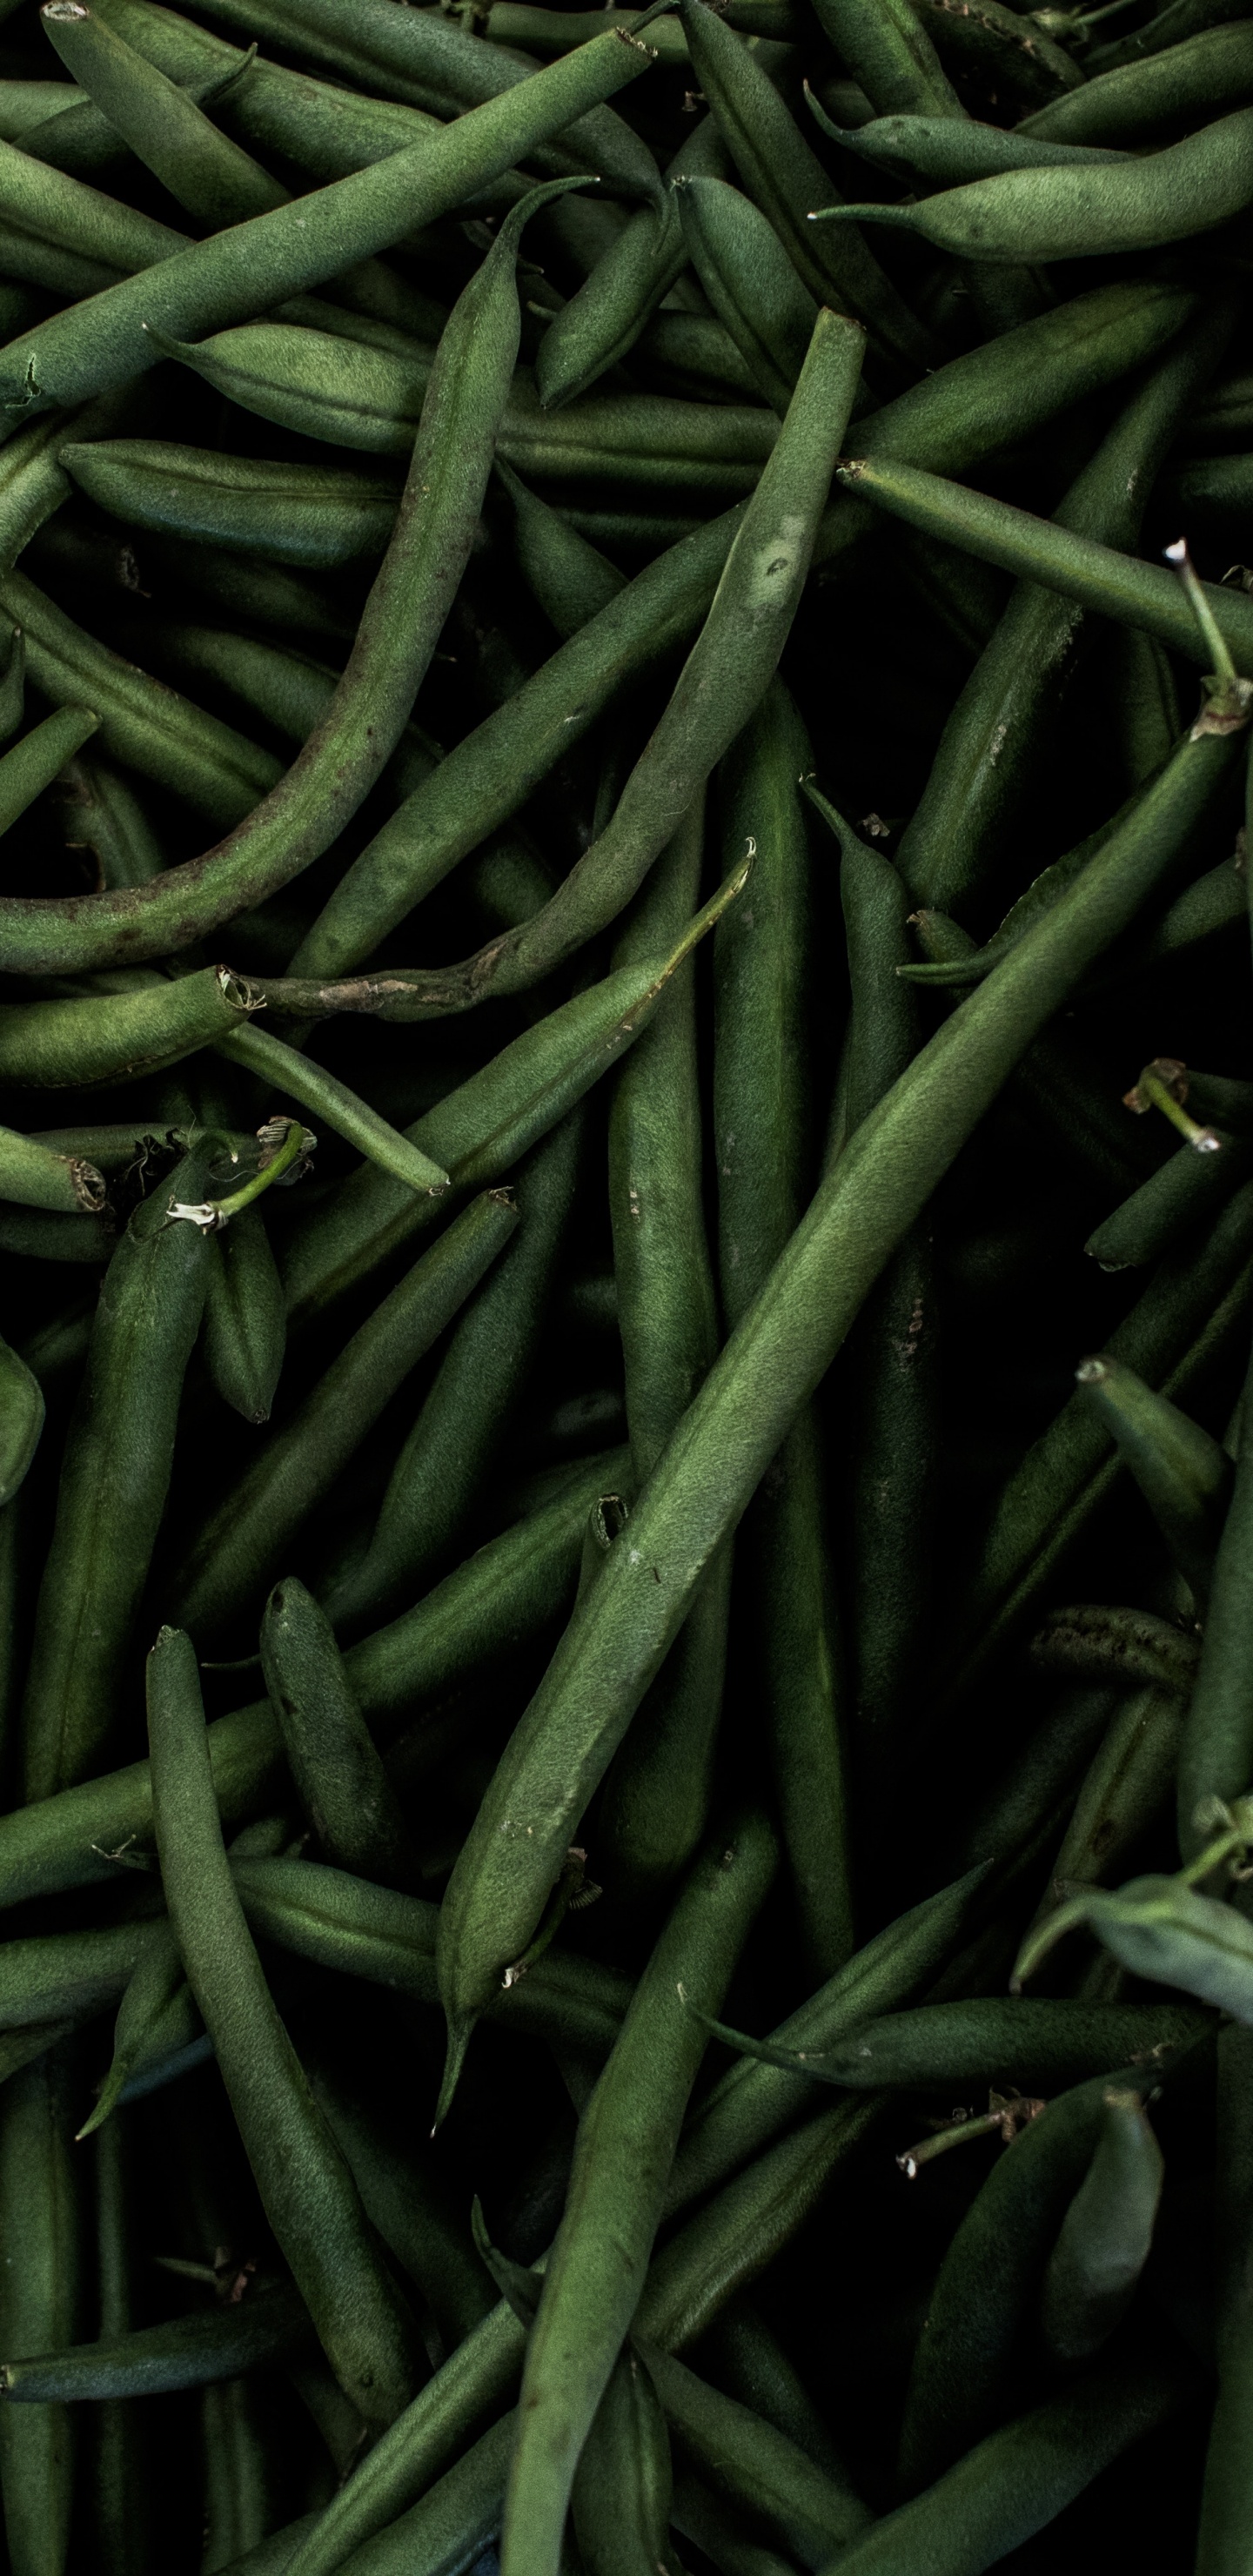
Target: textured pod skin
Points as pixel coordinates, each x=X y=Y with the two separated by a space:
x=114 y=1480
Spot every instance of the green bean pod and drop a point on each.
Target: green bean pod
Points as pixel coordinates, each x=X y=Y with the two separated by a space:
x=40 y=2303
x=21 y=1418
x=762 y=1131
x=143 y=724
x=150 y=2017
x=894 y=1405
x=242 y=1542
x=891 y=54
x=331 y=388
x=625 y=2147
x=804 y=2509
x=991 y=2039
x=307 y=2191
x=605 y=317
x=656 y=1797
x=701 y=2516
x=1095 y=1642
x=387 y=1937
x=38 y=758
x=752 y=2102
x=36 y=1175
x=721 y=682
x=50 y=206
x=1003 y=725
x=447 y=1457
x=1182 y=84
x=339 y=1777
x=1041 y=215
x=1171 y=1205
x=786 y=178
x=407 y=2201
x=298 y=246
x=1182 y=1471
x=979 y=401
x=440 y=69
x=946 y=151
x=771 y=1364
x=1126 y=1787
x=121 y=2468
x=569 y=577
x=283 y=1068
x=750 y=281
x=1018 y=2480
x=1192 y=1311
x=509 y=1593
x=107 y=815
x=1096 y=576
x=482 y=1127
x=194 y=2351
x=245 y=1321
x=114 y=1479
x=119 y=1037
x=959 y=2387
x=1104 y=2239
x=214 y=179
x=1225 y=2495
x=311 y=514
x=623 y=2486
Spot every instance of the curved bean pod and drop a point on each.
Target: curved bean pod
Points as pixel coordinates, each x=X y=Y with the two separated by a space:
x=994 y=2039
x=214 y=179
x=119 y=1037
x=311 y=514
x=114 y=1478
x=1104 y=2240
x=947 y=151
x=623 y=2487
x=21 y=1421
x=1182 y=1471
x=805 y=2509
x=298 y=246
x=626 y=2142
x=197 y=2351
x=508 y=1593
x=298 y=1078
x=786 y=178
x=722 y=681
x=306 y=2189
x=380 y=1933
x=750 y=281
x=1021 y=2478
x=339 y=1777
x=604 y=318
x=245 y=1323
x=1181 y=84
x=773 y=1361
x=37 y=1175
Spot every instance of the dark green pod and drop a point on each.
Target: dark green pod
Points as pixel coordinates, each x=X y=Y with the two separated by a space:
x=339 y=1777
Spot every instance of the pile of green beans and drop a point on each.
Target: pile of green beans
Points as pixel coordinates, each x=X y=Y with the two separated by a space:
x=626 y=1287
